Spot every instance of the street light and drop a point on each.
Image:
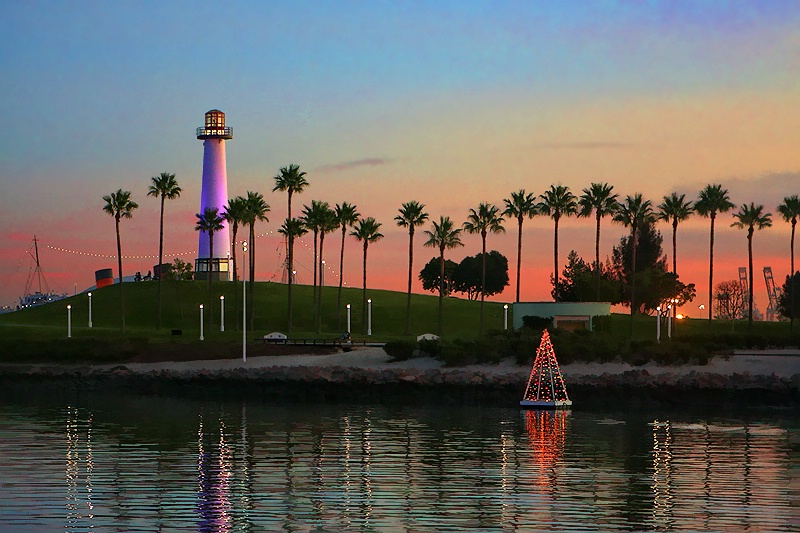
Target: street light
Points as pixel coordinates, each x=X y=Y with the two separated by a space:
x=90 y=309
x=348 y=318
x=505 y=316
x=369 y=316
x=322 y=274
x=69 y=321
x=658 y=325
x=222 y=316
x=294 y=276
x=244 y=304
x=201 y=322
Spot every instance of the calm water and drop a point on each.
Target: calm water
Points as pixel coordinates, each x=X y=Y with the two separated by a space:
x=159 y=464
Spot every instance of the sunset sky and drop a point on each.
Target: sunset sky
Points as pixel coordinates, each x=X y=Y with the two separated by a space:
x=447 y=103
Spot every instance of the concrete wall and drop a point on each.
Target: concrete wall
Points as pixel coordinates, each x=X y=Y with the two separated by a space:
x=552 y=309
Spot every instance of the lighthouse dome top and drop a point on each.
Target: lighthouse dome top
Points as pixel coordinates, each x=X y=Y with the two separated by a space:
x=214 y=127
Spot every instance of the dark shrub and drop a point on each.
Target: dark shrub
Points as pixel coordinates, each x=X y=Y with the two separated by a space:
x=400 y=350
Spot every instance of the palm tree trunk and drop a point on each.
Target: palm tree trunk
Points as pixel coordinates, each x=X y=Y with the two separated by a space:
x=519 y=252
x=364 y=292
x=711 y=270
x=314 y=291
x=321 y=275
x=633 y=276
x=234 y=228
x=119 y=264
x=251 y=289
x=341 y=280
x=675 y=258
x=210 y=277
x=160 y=256
x=410 y=267
x=441 y=287
x=791 y=278
x=290 y=259
x=597 y=256
x=483 y=280
x=750 y=280
x=555 y=260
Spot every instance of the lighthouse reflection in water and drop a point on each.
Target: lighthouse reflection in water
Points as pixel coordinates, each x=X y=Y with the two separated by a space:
x=166 y=464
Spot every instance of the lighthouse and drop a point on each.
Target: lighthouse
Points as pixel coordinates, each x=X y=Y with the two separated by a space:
x=214 y=194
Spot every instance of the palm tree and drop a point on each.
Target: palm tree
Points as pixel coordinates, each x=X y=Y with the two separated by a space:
x=713 y=199
x=291 y=229
x=256 y=209
x=751 y=217
x=210 y=221
x=675 y=209
x=327 y=224
x=444 y=236
x=520 y=205
x=313 y=217
x=290 y=180
x=412 y=214
x=346 y=216
x=234 y=214
x=634 y=213
x=119 y=205
x=366 y=230
x=556 y=202
x=600 y=199
x=486 y=219
x=790 y=210
x=166 y=187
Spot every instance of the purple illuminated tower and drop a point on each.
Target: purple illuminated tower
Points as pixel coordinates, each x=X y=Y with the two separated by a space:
x=214 y=194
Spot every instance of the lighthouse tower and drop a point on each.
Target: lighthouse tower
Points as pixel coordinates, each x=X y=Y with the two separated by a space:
x=214 y=194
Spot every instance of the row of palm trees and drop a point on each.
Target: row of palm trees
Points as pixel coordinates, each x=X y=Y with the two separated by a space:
x=319 y=218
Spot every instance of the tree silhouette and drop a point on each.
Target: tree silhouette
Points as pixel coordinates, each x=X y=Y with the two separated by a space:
x=790 y=210
x=412 y=214
x=444 y=236
x=485 y=220
x=256 y=209
x=675 y=209
x=235 y=213
x=165 y=187
x=210 y=222
x=119 y=205
x=346 y=216
x=556 y=202
x=600 y=199
x=713 y=199
x=751 y=217
x=366 y=231
x=290 y=180
x=519 y=206
x=291 y=229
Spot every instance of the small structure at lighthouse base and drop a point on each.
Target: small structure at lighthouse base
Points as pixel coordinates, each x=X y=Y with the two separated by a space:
x=546 y=389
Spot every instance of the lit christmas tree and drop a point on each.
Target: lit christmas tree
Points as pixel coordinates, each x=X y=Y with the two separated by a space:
x=546 y=387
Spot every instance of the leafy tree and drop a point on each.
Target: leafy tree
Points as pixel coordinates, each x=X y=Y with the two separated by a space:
x=165 y=187
x=600 y=199
x=234 y=214
x=729 y=299
x=578 y=282
x=519 y=206
x=790 y=210
x=210 y=222
x=291 y=229
x=556 y=202
x=430 y=275
x=119 y=205
x=346 y=216
x=487 y=219
x=788 y=299
x=633 y=213
x=412 y=214
x=675 y=209
x=256 y=209
x=469 y=276
x=751 y=217
x=179 y=270
x=444 y=236
x=366 y=231
x=713 y=199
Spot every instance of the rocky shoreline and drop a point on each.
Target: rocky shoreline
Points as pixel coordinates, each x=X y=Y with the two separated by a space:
x=481 y=385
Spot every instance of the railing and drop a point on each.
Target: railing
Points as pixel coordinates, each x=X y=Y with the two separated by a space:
x=215 y=133
x=317 y=342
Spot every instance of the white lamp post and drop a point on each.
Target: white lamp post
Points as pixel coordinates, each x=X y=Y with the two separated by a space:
x=322 y=274
x=294 y=276
x=348 y=318
x=669 y=321
x=69 y=321
x=505 y=316
x=222 y=315
x=201 y=322
x=244 y=304
x=658 y=324
x=369 y=316
x=90 y=309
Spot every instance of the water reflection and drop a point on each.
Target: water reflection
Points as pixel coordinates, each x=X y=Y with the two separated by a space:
x=256 y=467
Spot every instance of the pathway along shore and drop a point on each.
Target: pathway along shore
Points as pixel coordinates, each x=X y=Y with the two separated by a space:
x=366 y=374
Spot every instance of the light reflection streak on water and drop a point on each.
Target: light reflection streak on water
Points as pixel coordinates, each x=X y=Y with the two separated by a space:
x=355 y=468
